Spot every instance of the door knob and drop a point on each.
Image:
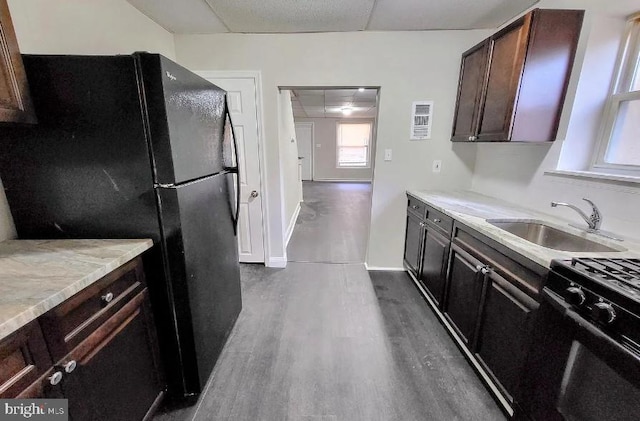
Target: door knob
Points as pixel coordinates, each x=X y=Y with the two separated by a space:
x=254 y=194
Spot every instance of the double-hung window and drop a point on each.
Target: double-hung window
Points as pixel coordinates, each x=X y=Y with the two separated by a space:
x=619 y=147
x=353 y=145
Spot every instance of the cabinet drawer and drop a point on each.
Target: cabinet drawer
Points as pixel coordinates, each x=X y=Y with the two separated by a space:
x=440 y=221
x=23 y=359
x=69 y=323
x=416 y=207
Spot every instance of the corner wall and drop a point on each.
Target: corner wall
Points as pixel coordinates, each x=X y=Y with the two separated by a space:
x=517 y=172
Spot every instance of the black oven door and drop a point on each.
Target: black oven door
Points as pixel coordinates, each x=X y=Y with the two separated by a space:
x=577 y=372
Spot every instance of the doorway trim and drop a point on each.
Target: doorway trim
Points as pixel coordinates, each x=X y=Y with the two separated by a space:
x=256 y=75
x=313 y=155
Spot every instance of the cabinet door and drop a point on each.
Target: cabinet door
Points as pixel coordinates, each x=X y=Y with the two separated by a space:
x=15 y=102
x=434 y=264
x=117 y=374
x=472 y=75
x=464 y=292
x=508 y=49
x=505 y=331
x=413 y=243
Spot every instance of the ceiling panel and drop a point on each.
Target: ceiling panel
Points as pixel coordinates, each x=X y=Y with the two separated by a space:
x=183 y=17
x=330 y=102
x=396 y=15
x=293 y=16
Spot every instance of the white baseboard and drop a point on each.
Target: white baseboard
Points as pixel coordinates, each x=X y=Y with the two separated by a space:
x=343 y=180
x=292 y=225
x=276 y=262
x=387 y=269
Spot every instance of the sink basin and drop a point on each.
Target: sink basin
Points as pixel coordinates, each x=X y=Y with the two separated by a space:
x=547 y=236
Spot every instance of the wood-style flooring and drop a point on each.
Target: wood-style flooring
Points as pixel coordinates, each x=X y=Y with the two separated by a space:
x=333 y=224
x=327 y=341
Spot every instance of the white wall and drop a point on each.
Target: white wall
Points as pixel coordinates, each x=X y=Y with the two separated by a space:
x=517 y=172
x=81 y=27
x=325 y=134
x=408 y=66
x=290 y=180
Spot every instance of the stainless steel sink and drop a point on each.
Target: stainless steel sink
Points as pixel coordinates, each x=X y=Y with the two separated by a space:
x=544 y=235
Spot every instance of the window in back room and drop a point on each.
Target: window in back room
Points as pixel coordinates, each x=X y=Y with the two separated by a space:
x=619 y=146
x=353 y=145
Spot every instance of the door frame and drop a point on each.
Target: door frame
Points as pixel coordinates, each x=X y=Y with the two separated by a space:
x=256 y=75
x=313 y=155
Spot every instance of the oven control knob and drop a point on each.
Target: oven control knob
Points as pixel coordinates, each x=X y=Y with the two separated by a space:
x=574 y=296
x=603 y=312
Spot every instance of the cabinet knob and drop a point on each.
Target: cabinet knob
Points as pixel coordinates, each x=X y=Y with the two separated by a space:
x=483 y=269
x=414 y=206
x=70 y=366
x=254 y=194
x=107 y=298
x=436 y=220
x=55 y=378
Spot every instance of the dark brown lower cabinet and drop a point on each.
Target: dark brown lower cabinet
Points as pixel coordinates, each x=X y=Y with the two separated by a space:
x=506 y=329
x=413 y=243
x=465 y=287
x=98 y=349
x=433 y=273
x=117 y=376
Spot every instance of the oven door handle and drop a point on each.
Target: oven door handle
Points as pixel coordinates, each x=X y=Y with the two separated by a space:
x=624 y=361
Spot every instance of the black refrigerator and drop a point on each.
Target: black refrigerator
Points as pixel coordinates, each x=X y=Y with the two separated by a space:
x=136 y=146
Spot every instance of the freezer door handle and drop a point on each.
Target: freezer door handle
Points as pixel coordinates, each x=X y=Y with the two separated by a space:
x=236 y=168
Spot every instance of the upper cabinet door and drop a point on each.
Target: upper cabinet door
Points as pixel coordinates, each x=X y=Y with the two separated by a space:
x=472 y=74
x=15 y=102
x=508 y=51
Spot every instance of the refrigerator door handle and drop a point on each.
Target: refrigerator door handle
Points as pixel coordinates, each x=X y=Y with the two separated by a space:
x=236 y=169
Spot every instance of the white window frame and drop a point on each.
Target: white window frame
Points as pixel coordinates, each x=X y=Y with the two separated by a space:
x=338 y=165
x=620 y=91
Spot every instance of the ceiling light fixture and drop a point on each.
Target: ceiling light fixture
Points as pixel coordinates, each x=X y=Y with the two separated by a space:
x=347 y=110
x=360 y=89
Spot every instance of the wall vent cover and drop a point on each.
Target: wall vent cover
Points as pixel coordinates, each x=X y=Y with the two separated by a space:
x=421 y=118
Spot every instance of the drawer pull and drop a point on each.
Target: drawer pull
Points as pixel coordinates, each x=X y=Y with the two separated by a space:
x=55 y=378
x=436 y=220
x=70 y=366
x=107 y=298
x=415 y=206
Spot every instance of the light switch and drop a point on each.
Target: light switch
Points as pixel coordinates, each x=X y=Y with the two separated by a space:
x=387 y=154
x=437 y=165
x=318 y=145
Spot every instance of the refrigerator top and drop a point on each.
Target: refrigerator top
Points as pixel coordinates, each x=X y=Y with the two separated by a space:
x=185 y=115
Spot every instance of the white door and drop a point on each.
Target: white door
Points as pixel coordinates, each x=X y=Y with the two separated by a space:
x=242 y=99
x=304 y=136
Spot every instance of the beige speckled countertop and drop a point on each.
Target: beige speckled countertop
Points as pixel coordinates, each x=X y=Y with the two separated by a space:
x=37 y=275
x=473 y=210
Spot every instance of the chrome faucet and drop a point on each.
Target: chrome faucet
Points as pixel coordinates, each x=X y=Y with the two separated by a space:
x=593 y=221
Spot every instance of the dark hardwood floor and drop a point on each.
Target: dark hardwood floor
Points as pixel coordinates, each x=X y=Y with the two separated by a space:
x=331 y=341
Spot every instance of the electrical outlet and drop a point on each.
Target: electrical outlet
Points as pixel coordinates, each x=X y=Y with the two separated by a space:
x=387 y=155
x=437 y=165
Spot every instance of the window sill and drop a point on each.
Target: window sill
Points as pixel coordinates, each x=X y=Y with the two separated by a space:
x=595 y=176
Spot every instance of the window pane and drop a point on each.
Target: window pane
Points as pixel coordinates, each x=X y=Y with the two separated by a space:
x=635 y=81
x=624 y=147
x=352 y=156
x=354 y=134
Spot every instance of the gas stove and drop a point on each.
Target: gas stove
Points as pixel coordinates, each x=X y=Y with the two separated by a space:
x=603 y=291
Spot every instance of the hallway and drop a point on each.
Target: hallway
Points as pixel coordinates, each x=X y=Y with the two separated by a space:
x=331 y=341
x=333 y=224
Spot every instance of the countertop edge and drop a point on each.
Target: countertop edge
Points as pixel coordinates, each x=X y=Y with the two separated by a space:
x=13 y=324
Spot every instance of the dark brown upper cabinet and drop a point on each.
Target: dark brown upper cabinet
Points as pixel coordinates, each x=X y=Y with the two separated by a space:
x=512 y=85
x=15 y=101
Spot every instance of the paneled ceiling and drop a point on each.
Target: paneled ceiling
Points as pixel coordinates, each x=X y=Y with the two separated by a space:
x=316 y=103
x=292 y=16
